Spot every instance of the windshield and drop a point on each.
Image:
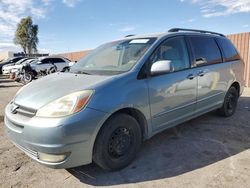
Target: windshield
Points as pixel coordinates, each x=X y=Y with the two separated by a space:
x=20 y=61
x=113 y=58
x=35 y=61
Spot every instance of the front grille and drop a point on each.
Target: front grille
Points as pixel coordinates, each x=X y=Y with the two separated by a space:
x=22 y=110
x=29 y=152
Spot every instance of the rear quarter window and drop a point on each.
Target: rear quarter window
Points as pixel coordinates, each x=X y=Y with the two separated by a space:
x=229 y=51
x=205 y=49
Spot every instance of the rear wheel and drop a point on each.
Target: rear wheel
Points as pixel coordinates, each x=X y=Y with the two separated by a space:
x=65 y=69
x=230 y=103
x=117 y=143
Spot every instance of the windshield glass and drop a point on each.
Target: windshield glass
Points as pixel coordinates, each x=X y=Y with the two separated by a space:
x=35 y=61
x=113 y=58
x=20 y=61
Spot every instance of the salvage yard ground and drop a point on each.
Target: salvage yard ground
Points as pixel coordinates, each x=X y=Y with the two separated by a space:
x=209 y=151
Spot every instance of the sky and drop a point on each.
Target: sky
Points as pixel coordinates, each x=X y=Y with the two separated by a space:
x=75 y=25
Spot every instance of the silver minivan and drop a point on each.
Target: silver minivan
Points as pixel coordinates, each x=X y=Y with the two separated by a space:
x=123 y=93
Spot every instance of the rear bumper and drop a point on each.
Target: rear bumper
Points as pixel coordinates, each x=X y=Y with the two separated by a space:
x=73 y=136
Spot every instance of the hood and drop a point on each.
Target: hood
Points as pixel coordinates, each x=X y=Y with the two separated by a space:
x=8 y=64
x=42 y=91
x=17 y=66
x=8 y=67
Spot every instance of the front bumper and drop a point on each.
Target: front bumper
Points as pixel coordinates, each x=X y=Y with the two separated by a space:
x=5 y=72
x=73 y=135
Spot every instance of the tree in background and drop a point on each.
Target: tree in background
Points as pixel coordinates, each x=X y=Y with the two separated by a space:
x=26 y=36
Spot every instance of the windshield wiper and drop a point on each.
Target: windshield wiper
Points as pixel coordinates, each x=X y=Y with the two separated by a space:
x=81 y=72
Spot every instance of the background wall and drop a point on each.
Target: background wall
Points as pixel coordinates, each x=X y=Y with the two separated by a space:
x=242 y=43
x=75 y=56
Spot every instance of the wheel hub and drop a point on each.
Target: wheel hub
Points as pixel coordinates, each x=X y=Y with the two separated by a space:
x=231 y=102
x=119 y=142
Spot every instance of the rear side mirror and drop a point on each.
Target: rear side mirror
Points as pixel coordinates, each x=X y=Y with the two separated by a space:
x=161 y=67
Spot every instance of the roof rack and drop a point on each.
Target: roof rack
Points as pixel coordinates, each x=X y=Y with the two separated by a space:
x=195 y=30
x=129 y=36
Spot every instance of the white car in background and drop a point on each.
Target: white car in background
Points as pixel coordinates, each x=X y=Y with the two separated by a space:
x=6 y=69
x=47 y=63
x=18 y=67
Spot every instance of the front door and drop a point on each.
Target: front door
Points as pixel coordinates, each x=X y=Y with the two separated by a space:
x=172 y=95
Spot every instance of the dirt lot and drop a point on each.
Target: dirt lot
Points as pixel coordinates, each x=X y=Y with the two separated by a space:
x=208 y=151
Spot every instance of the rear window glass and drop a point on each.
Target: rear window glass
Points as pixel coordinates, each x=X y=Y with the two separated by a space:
x=205 y=50
x=229 y=50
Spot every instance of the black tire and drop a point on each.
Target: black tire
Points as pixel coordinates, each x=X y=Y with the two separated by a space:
x=230 y=103
x=52 y=70
x=65 y=69
x=117 y=142
x=27 y=78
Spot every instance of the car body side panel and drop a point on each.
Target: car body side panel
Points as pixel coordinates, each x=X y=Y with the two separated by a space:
x=40 y=66
x=237 y=69
x=213 y=85
x=172 y=98
x=61 y=65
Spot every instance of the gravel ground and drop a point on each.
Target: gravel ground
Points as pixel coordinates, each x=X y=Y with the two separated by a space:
x=209 y=151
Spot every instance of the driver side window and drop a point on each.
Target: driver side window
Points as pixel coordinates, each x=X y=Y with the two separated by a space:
x=173 y=50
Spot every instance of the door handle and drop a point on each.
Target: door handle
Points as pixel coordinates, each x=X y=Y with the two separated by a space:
x=190 y=77
x=202 y=73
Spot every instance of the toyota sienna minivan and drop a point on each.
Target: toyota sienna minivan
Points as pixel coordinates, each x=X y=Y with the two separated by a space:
x=123 y=93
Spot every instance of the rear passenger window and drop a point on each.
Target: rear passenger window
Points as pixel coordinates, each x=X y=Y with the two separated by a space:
x=206 y=50
x=45 y=61
x=228 y=49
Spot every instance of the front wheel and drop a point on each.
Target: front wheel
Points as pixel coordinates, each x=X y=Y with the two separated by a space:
x=27 y=77
x=117 y=142
x=230 y=103
x=52 y=70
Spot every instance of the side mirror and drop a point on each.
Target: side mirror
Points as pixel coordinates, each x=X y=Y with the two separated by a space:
x=161 y=67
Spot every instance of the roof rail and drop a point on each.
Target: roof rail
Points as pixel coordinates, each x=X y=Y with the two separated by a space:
x=195 y=30
x=129 y=36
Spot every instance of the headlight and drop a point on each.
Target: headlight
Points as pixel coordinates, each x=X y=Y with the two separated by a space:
x=66 y=105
